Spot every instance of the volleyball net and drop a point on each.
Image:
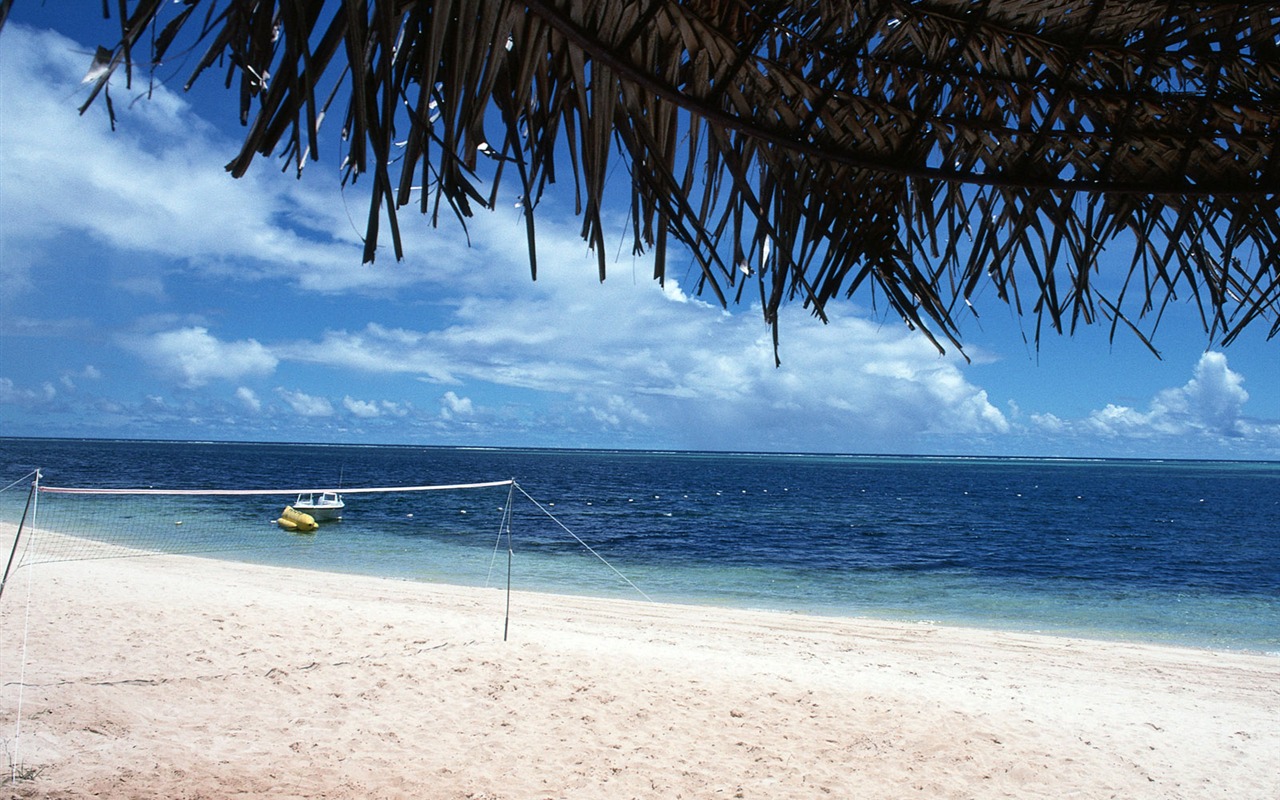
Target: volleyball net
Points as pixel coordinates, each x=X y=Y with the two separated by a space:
x=55 y=523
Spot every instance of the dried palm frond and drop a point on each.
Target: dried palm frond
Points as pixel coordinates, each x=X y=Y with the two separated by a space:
x=921 y=149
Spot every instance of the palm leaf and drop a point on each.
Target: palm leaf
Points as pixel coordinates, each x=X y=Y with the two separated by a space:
x=920 y=149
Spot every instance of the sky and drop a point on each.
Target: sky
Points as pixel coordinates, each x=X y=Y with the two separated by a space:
x=145 y=293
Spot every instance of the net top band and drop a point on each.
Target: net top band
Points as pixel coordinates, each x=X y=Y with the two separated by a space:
x=207 y=492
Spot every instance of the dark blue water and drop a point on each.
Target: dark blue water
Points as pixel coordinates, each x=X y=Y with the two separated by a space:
x=1175 y=552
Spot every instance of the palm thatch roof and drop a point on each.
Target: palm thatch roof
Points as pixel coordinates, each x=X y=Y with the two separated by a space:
x=801 y=150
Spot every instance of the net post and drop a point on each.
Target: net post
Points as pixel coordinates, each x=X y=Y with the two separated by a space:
x=35 y=487
x=511 y=495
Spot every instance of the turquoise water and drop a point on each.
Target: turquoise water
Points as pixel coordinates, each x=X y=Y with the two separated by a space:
x=1174 y=552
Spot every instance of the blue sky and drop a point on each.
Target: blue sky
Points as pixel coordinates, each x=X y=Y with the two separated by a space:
x=144 y=293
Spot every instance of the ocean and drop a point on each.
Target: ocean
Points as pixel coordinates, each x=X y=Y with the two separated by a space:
x=1173 y=552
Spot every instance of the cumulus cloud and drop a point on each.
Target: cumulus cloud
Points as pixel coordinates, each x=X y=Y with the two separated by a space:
x=395 y=409
x=451 y=406
x=18 y=396
x=1205 y=414
x=306 y=405
x=196 y=357
x=249 y=398
x=616 y=411
x=640 y=357
x=1210 y=403
x=361 y=408
x=1214 y=398
x=89 y=373
x=1049 y=423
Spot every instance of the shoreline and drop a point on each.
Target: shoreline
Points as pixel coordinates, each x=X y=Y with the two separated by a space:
x=694 y=605
x=79 y=545
x=197 y=677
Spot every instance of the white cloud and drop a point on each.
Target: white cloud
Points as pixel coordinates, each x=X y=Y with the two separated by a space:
x=688 y=369
x=1214 y=398
x=1049 y=423
x=156 y=186
x=395 y=409
x=90 y=373
x=377 y=349
x=1211 y=403
x=617 y=411
x=196 y=357
x=361 y=408
x=1204 y=415
x=306 y=405
x=674 y=361
x=10 y=394
x=249 y=398
x=451 y=406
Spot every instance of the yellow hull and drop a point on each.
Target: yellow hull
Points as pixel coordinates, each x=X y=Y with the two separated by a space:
x=294 y=520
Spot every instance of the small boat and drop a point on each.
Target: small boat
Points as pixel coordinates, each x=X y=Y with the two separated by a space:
x=322 y=506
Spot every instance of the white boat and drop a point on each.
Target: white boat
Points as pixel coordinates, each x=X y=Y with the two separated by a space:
x=320 y=505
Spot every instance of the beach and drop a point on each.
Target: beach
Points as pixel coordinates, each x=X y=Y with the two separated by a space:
x=183 y=677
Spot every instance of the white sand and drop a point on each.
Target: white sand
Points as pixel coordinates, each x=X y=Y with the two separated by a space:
x=190 y=678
